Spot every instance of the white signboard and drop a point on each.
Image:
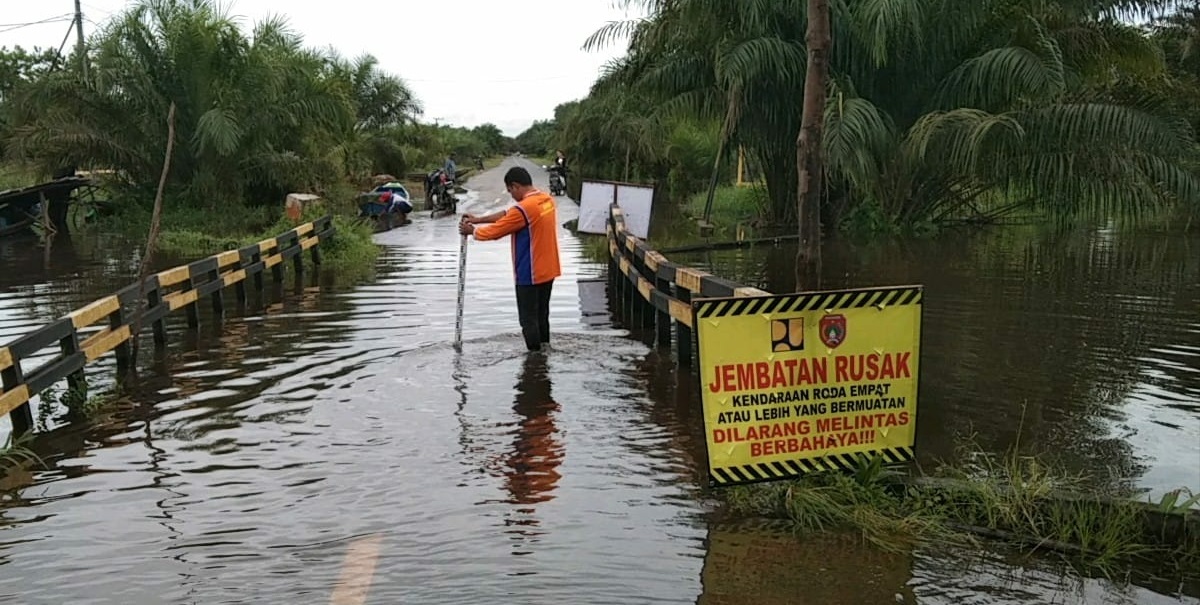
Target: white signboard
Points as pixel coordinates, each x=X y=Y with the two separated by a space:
x=635 y=201
x=594 y=201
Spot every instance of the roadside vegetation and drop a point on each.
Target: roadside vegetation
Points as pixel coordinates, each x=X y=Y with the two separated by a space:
x=939 y=112
x=259 y=115
x=1019 y=500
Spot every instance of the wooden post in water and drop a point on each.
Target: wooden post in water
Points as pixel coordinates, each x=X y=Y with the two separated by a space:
x=663 y=319
x=240 y=287
x=683 y=334
x=218 y=297
x=153 y=301
x=21 y=417
x=256 y=258
x=277 y=270
x=192 y=309
x=69 y=345
x=116 y=319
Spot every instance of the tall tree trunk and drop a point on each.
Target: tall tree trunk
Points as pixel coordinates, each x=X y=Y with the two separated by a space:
x=152 y=238
x=809 y=159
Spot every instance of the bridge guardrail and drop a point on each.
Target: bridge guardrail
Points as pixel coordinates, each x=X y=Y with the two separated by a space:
x=655 y=292
x=166 y=291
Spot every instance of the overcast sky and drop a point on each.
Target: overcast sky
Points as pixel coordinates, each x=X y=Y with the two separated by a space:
x=508 y=63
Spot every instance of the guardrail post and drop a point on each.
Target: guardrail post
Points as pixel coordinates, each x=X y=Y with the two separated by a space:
x=239 y=288
x=69 y=345
x=256 y=257
x=22 y=416
x=663 y=319
x=316 y=253
x=116 y=319
x=153 y=301
x=218 y=295
x=277 y=269
x=647 y=305
x=683 y=334
x=298 y=262
x=192 y=309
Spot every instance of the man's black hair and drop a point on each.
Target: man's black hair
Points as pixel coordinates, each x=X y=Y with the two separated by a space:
x=518 y=175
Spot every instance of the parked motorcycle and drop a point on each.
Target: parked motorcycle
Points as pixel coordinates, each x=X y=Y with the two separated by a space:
x=439 y=193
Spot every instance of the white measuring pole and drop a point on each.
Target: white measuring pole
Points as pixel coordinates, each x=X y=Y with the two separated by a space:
x=462 y=282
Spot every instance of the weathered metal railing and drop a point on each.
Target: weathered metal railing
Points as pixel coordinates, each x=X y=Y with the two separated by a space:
x=166 y=291
x=653 y=292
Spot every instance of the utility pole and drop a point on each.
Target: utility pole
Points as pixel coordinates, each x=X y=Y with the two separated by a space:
x=83 y=63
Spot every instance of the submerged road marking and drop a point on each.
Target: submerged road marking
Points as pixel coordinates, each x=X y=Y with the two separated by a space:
x=358 y=569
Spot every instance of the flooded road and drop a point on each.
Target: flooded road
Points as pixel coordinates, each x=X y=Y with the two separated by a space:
x=331 y=447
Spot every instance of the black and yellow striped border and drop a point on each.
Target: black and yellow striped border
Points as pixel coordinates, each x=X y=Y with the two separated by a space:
x=880 y=298
x=170 y=290
x=787 y=469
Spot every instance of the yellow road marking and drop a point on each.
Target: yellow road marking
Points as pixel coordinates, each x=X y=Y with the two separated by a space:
x=358 y=569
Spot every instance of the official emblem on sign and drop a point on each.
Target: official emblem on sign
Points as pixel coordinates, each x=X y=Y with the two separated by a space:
x=787 y=334
x=833 y=330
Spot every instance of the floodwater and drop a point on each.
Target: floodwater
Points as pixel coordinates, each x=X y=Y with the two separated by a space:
x=1083 y=348
x=330 y=446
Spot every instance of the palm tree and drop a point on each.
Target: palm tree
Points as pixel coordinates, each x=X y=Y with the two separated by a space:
x=938 y=109
x=256 y=114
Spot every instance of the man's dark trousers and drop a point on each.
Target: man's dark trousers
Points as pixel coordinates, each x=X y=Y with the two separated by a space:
x=533 y=311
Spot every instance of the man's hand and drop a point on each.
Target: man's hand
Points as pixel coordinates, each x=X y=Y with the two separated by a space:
x=466 y=227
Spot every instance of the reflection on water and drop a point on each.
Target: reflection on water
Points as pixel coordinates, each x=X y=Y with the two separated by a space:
x=257 y=450
x=764 y=563
x=532 y=464
x=1082 y=346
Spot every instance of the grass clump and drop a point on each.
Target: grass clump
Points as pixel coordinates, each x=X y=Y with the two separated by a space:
x=734 y=209
x=1019 y=500
x=864 y=501
x=16 y=453
x=189 y=232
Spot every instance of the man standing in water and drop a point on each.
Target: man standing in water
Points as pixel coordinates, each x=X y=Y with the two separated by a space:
x=534 y=230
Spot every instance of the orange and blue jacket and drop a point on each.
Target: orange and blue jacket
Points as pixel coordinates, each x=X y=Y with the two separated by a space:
x=534 y=238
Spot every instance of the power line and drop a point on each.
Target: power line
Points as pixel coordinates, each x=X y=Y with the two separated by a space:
x=7 y=27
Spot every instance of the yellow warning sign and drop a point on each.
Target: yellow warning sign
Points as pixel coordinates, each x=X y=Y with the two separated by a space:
x=801 y=383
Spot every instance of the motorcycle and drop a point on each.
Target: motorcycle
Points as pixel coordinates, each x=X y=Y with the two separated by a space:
x=558 y=182
x=439 y=193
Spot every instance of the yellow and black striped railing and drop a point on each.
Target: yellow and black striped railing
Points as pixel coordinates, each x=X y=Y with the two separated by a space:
x=166 y=291
x=655 y=292
x=651 y=292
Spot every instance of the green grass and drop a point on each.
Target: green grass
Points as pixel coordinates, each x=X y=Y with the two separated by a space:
x=733 y=208
x=189 y=232
x=13 y=176
x=16 y=453
x=1016 y=499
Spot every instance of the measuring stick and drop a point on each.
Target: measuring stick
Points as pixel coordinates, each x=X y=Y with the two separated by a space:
x=462 y=282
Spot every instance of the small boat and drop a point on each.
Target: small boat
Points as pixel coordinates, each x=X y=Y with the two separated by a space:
x=389 y=205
